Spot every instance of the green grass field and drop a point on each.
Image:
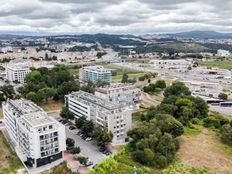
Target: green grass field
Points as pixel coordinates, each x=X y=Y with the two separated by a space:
x=1 y=114
x=9 y=162
x=192 y=131
x=120 y=70
x=219 y=64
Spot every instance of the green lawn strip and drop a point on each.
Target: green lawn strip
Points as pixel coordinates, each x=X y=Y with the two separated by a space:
x=183 y=169
x=131 y=76
x=192 y=131
x=221 y=64
x=13 y=161
x=1 y=113
x=228 y=148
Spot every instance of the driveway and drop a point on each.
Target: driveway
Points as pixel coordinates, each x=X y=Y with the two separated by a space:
x=88 y=149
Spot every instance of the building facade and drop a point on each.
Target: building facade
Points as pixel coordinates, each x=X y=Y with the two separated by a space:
x=16 y=72
x=113 y=117
x=94 y=74
x=222 y=53
x=38 y=139
x=125 y=94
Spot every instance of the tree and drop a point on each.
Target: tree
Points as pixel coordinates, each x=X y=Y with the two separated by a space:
x=8 y=91
x=70 y=143
x=88 y=127
x=149 y=155
x=160 y=84
x=90 y=87
x=34 y=77
x=223 y=96
x=177 y=89
x=226 y=134
x=47 y=93
x=101 y=83
x=33 y=97
x=80 y=122
x=102 y=136
x=124 y=78
x=106 y=167
x=66 y=114
x=66 y=88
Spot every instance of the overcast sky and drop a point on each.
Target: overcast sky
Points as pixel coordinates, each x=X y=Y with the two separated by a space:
x=114 y=16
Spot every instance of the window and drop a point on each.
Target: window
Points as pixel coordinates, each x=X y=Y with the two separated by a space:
x=50 y=127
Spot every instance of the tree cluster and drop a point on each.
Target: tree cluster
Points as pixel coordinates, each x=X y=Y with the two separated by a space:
x=154 y=140
x=147 y=76
x=89 y=129
x=152 y=87
x=7 y=91
x=222 y=125
x=43 y=84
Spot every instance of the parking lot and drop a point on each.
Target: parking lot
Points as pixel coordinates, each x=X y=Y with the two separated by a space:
x=88 y=149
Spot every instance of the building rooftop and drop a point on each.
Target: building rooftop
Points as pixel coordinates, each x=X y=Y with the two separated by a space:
x=117 y=86
x=38 y=119
x=97 y=69
x=96 y=100
x=18 y=66
x=23 y=106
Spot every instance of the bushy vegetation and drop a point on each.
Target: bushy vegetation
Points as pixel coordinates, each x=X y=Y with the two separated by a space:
x=154 y=143
x=7 y=91
x=223 y=96
x=158 y=86
x=147 y=76
x=221 y=125
x=154 y=140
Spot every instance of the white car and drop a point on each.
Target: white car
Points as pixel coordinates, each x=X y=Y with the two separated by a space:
x=88 y=139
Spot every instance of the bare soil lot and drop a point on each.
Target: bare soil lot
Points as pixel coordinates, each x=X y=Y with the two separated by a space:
x=205 y=151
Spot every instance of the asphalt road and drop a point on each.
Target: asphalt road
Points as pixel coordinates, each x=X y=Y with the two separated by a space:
x=88 y=149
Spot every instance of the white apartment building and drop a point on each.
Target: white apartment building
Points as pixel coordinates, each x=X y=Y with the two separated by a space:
x=37 y=139
x=115 y=118
x=171 y=64
x=16 y=72
x=94 y=74
x=223 y=53
x=125 y=94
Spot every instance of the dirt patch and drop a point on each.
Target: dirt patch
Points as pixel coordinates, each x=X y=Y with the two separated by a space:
x=205 y=151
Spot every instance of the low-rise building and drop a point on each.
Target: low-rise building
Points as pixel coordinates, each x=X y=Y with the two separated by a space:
x=113 y=117
x=16 y=72
x=171 y=64
x=125 y=94
x=223 y=53
x=37 y=139
x=94 y=74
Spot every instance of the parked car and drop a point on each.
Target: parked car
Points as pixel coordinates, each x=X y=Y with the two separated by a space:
x=88 y=139
x=102 y=149
x=88 y=163
x=106 y=152
x=72 y=127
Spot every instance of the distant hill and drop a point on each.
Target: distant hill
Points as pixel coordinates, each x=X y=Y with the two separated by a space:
x=204 y=35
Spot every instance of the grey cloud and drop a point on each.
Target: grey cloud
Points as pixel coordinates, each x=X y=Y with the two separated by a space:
x=133 y=16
